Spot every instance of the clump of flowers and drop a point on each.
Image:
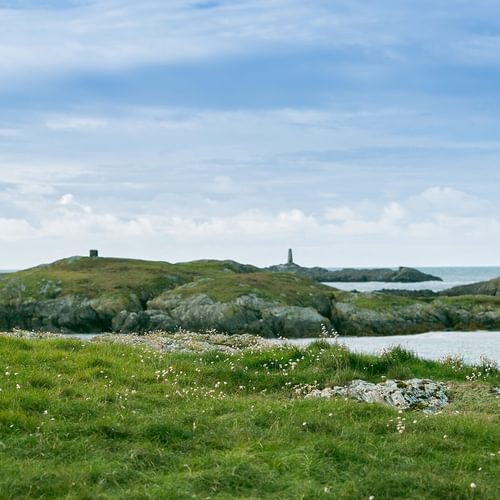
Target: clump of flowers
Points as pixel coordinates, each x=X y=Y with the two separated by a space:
x=485 y=369
x=328 y=333
x=303 y=389
x=400 y=425
x=455 y=362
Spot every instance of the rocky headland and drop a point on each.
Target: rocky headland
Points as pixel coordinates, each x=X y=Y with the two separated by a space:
x=82 y=294
x=400 y=275
x=490 y=287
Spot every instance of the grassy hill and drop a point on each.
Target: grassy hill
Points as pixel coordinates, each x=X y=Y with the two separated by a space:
x=91 y=277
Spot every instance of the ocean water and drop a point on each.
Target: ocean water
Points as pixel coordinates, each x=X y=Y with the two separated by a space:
x=452 y=276
x=472 y=347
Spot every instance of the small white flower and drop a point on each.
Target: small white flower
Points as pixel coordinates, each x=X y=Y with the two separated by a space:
x=473 y=485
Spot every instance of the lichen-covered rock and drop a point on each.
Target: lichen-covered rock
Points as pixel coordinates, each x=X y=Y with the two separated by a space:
x=375 y=318
x=420 y=394
x=245 y=314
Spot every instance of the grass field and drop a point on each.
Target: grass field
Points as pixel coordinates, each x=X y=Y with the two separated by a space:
x=95 y=420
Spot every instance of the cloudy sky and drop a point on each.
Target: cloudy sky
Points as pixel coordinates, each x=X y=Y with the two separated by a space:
x=359 y=133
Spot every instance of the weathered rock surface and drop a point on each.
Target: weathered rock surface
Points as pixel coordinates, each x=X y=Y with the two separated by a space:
x=245 y=314
x=419 y=394
x=401 y=275
x=491 y=287
x=68 y=313
x=419 y=317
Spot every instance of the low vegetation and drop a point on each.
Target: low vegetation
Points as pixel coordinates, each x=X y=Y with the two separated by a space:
x=279 y=288
x=107 y=420
x=94 y=277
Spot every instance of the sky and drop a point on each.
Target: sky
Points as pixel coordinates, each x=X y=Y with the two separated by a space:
x=358 y=133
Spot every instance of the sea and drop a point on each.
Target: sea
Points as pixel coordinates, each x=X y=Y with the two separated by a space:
x=451 y=276
x=473 y=347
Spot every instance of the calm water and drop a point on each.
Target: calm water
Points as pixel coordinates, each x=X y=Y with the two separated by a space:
x=452 y=276
x=433 y=345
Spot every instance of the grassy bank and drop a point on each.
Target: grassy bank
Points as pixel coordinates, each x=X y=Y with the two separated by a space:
x=95 y=420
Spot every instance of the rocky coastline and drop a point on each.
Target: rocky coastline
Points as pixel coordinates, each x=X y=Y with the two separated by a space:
x=120 y=295
x=400 y=275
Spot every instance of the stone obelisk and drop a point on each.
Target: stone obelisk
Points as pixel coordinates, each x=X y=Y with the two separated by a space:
x=290 y=256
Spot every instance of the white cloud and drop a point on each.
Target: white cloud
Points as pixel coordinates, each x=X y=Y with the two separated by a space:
x=391 y=234
x=107 y=35
x=342 y=213
x=440 y=200
x=15 y=229
x=75 y=123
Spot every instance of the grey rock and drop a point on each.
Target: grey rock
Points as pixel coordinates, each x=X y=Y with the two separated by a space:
x=425 y=395
x=401 y=275
x=491 y=287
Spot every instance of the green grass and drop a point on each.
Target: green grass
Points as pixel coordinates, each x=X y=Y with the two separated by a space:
x=222 y=280
x=281 y=288
x=379 y=301
x=472 y=300
x=113 y=421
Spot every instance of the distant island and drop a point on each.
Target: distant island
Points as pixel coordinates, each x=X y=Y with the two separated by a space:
x=400 y=275
x=96 y=294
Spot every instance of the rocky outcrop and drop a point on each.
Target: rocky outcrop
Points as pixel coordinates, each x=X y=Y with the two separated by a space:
x=491 y=287
x=419 y=317
x=401 y=275
x=68 y=313
x=418 y=394
x=245 y=314
x=349 y=314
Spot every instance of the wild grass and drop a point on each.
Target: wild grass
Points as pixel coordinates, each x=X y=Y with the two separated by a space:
x=116 y=278
x=85 y=420
x=280 y=288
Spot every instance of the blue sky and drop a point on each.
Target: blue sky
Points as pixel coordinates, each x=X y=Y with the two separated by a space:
x=361 y=134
